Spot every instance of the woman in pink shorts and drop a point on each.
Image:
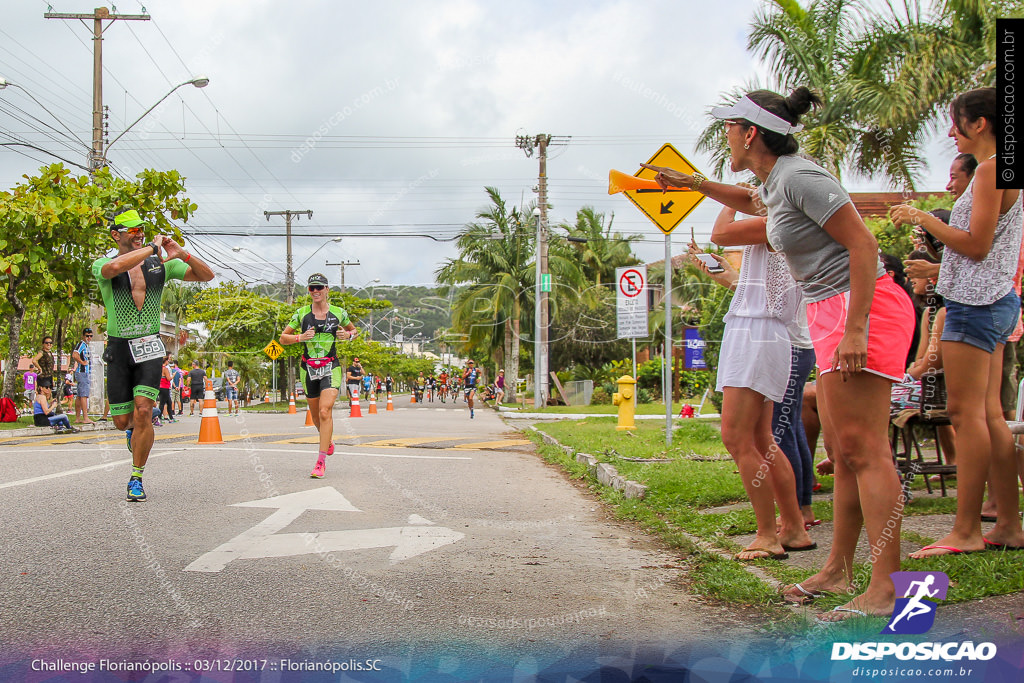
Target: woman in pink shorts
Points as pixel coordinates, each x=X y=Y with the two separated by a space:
x=860 y=321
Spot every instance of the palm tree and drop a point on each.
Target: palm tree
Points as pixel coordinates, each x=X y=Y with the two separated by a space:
x=177 y=298
x=598 y=250
x=885 y=77
x=496 y=262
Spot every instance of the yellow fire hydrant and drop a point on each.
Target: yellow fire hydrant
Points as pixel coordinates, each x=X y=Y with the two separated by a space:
x=624 y=400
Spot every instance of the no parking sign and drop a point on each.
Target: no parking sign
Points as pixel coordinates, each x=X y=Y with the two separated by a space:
x=631 y=301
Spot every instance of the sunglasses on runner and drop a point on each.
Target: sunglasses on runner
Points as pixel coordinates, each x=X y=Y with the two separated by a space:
x=316 y=288
x=132 y=232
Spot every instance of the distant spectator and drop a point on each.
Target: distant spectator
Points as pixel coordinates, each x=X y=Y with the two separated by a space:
x=83 y=377
x=231 y=377
x=30 y=382
x=42 y=416
x=44 y=362
x=196 y=382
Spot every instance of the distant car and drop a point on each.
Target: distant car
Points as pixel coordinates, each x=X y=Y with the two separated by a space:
x=299 y=389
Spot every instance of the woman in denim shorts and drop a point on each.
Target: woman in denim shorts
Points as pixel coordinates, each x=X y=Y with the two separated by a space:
x=979 y=265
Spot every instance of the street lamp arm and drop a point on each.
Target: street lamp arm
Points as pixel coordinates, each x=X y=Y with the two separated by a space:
x=199 y=82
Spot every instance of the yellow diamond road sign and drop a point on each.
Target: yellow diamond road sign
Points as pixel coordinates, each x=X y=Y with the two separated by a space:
x=273 y=349
x=666 y=209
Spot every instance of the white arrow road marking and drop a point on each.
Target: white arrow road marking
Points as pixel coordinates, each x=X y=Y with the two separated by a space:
x=263 y=540
x=409 y=541
x=290 y=506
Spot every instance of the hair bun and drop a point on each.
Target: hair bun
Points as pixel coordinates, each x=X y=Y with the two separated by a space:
x=800 y=101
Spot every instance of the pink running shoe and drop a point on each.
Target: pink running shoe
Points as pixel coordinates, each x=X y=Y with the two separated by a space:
x=318 y=471
x=330 y=451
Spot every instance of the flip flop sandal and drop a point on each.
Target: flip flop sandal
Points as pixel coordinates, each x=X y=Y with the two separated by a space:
x=808 y=525
x=799 y=548
x=855 y=612
x=768 y=555
x=951 y=551
x=807 y=595
x=992 y=545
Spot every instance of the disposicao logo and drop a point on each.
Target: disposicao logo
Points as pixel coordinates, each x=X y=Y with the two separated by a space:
x=914 y=612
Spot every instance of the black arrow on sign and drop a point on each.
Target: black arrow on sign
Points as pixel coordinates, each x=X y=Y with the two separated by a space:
x=667 y=208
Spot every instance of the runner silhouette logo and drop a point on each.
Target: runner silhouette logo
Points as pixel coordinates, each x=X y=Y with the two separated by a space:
x=917 y=594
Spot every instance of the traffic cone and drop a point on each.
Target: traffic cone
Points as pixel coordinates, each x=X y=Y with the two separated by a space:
x=266 y=397
x=209 y=427
x=373 y=405
x=391 y=405
x=291 y=405
x=309 y=418
x=412 y=399
x=353 y=406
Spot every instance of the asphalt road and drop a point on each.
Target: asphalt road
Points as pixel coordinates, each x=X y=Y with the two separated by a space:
x=430 y=530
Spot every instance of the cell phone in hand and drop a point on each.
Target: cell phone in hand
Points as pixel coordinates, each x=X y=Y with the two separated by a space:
x=713 y=265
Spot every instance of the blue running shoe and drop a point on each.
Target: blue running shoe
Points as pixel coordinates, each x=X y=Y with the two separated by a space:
x=128 y=438
x=470 y=413
x=135 y=492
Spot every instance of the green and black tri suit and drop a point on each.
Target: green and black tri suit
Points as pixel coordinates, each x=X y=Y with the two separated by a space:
x=126 y=324
x=320 y=357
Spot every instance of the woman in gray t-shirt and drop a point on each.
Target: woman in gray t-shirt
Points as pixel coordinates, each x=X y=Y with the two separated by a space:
x=834 y=258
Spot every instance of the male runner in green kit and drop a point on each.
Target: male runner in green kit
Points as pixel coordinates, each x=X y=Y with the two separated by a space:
x=132 y=284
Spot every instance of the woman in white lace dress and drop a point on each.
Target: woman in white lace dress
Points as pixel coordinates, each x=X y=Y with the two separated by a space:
x=753 y=372
x=979 y=264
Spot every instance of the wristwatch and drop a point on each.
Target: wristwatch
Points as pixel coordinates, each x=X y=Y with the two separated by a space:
x=156 y=249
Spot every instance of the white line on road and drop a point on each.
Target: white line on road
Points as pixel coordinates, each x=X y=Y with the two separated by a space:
x=68 y=473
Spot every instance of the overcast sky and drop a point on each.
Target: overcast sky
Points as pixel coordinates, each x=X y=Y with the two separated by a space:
x=382 y=118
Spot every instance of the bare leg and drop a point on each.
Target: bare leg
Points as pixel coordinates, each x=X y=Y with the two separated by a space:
x=791 y=530
x=973 y=378
x=323 y=416
x=867 y=486
x=742 y=408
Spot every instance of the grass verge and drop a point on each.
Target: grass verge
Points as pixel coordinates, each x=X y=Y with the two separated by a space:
x=695 y=475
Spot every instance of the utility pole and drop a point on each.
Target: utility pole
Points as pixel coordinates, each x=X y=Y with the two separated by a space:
x=99 y=15
x=542 y=283
x=342 y=264
x=289 y=275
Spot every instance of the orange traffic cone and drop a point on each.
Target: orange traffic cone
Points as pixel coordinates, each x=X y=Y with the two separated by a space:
x=291 y=405
x=209 y=427
x=412 y=399
x=266 y=397
x=353 y=406
x=391 y=405
x=309 y=418
x=373 y=404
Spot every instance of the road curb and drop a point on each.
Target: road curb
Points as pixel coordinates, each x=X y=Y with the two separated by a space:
x=610 y=474
x=49 y=431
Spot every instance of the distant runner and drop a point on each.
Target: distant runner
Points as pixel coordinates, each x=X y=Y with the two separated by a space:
x=469 y=377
